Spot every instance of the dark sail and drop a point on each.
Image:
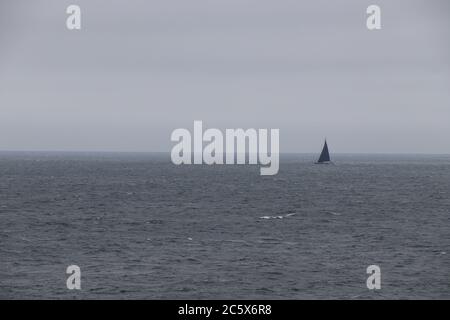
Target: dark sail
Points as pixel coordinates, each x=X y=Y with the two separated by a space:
x=324 y=156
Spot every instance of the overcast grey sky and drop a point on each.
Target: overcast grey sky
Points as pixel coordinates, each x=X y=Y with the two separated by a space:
x=139 y=69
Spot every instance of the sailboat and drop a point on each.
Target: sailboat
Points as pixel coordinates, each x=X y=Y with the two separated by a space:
x=324 y=157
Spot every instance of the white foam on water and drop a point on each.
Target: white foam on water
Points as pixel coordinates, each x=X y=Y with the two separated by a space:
x=277 y=217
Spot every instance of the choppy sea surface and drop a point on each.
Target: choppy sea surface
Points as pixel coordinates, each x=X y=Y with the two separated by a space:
x=140 y=227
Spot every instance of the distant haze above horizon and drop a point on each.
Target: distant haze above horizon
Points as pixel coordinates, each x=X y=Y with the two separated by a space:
x=137 y=70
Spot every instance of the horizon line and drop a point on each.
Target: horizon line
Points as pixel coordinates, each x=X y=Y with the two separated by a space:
x=168 y=152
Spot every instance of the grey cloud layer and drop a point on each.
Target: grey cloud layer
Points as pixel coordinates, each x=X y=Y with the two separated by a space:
x=139 y=69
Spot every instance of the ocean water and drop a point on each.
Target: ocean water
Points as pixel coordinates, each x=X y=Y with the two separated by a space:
x=141 y=227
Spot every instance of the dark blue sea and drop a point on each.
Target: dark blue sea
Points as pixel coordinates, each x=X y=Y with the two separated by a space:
x=140 y=227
